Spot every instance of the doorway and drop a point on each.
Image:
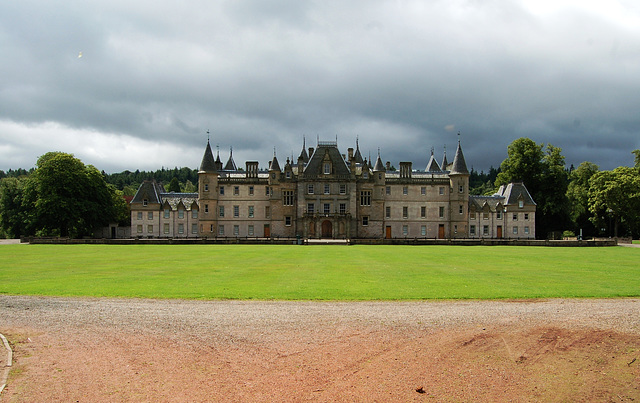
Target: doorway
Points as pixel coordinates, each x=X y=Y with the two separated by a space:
x=327 y=229
x=388 y=232
x=499 y=231
x=267 y=231
x=441 y=231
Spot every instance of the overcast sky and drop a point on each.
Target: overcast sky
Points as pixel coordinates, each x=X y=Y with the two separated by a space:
x=132 y=85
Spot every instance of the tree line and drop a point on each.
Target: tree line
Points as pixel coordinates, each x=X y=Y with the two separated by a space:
x=64 y=197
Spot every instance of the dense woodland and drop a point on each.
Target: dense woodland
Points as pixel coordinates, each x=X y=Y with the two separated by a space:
x=64 y=197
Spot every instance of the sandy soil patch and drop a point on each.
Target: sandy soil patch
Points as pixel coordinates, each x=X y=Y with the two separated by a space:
x=145 y=350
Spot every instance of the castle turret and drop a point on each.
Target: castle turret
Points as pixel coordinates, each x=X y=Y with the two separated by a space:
x=208 y=194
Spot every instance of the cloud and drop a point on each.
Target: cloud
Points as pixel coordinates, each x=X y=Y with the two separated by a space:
x=404 y=76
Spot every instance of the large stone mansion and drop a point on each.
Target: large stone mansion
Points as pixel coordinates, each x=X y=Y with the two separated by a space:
x=326 y=194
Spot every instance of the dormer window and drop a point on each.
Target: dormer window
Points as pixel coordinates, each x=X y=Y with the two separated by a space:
x=145 y=202
x=520 y=203
x=327 y=168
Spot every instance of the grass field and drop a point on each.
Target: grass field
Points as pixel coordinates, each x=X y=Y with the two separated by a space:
x=319 y=272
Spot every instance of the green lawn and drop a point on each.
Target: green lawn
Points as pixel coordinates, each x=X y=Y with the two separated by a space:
x=319 y=272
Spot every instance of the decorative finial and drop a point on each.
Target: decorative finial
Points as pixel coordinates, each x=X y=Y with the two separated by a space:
x=378 y=151
x=208 y=135
x=274 y=151
x=431 y=150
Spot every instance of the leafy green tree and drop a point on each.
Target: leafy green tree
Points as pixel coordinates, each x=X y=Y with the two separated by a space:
x=614 y=200
x=636 y=153
x=189 y=187
x=543 y=173
x=11 y=208
x=578 y=196
x=67 y=198
x=174 y=185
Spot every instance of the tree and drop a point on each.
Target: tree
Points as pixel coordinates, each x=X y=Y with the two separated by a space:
x=636 y=153
x=11 y=208
x=66 y=198
x=174 y=185
x=614 y=200
x=543 y=173
x=578 y=196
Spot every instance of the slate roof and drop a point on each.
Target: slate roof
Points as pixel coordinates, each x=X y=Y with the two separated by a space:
x=379 y=167
x=230 y=165
x=480 y=201
x=358 y=156
x=512 y=192
x=208 y=163
x=274 y=165
x=444 y=161
x=459 y=166
x=432 y=165
x=149 y=190
x=303 y=153
x=174 y=200
x=314 y=167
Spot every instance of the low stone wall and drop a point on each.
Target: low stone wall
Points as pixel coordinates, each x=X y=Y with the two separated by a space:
x=353 y=241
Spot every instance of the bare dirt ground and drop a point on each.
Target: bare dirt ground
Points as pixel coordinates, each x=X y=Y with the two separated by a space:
x=93 y=350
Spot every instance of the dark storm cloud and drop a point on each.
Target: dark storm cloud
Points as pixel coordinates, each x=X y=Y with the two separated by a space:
x=401 y=76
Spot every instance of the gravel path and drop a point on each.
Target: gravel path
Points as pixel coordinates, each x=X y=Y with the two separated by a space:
x=90 y=349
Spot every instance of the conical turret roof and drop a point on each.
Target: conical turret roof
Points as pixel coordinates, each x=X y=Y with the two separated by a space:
x=230 y=165
x=379 y=167
x=459 y=166
x=358 y=156
x=303 y=153
x=208 y=163
x=432 y=165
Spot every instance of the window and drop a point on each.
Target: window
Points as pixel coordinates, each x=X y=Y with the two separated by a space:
x=388 y=190
x=461 y=189
x=139 y=229
x=266 y=190
x=194 y=228
x=405 y=230
x=380 y=176
x=206 y=208
x=180 y=213
x=236 y=211
x=526 y=216
x=423 y=230
x=405 y=190
x=287 y=197
x=460 y=209
x=327 y=189
x=166 y=228
x=250 y=190
x=365 y=174
x=250 y=212
x=236 y=190
x=180 y=228
x=310 y=208
x=221 y=211
x=166 y=213
x=194 y=213
x=150 y=215
x=236 y=230
x=485 y=230
x=515 y=216
x=515 y=230
x=327 y=168
x=526 y=230
x=211 y=228
x=145 y=202
x=150 y=229
x=343 y=189
x=423 y=211
x=520 y=203
x=139 y=215
x=267 y=212
x=222 y=190
x=287 y=221
x=220 y=229
x=288 y=174
x=423 y=190
x=365 y=198
x=387 y=212
x=343 y=208
x=485 y=215
x=250 y=230
x=206 y=187
x=405 y=212
x=441 y=190
x=472 y=215
x=326 y=208
x=455 y=229
x=310 y=189
x=499 y=214
x=472 y=230
x=441 y=212
x=365 y=220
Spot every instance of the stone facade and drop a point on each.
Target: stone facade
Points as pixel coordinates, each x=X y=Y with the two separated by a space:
x=326 y=194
